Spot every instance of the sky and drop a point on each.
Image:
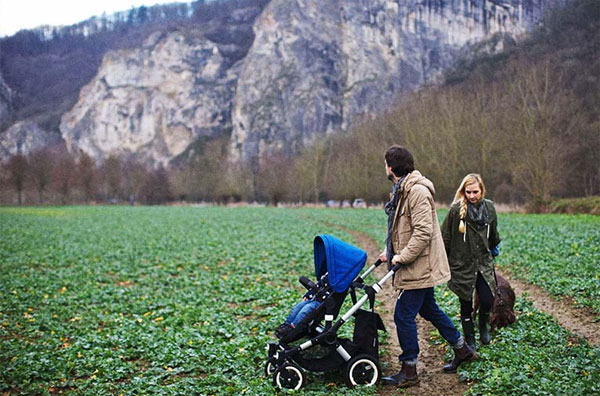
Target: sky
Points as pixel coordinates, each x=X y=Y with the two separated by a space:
x=26 y=14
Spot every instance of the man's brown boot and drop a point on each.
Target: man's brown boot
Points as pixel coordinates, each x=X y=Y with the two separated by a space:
x=406 y=377
x=462 y=354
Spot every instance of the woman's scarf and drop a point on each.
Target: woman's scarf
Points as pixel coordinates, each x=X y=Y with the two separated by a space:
x=478 y=214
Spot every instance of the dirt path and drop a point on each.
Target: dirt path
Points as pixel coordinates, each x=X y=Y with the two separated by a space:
x=577 y=320
x=433 y=381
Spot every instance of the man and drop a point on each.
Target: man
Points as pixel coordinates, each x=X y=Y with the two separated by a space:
x=415 y=242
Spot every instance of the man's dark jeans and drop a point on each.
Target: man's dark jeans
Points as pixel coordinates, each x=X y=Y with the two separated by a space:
x=421 y=301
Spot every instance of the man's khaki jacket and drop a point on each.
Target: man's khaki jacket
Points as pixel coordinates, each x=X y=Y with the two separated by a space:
x=417 y=238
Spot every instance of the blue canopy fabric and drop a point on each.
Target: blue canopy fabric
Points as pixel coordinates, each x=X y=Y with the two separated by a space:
x=342 y=260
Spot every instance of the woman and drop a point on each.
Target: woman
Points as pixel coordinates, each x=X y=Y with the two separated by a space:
x=471 y=239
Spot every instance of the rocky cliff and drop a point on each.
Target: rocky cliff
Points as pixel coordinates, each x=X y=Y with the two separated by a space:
x=314 y=66
x=5 y=101
x=25 y=137
x=153 y=102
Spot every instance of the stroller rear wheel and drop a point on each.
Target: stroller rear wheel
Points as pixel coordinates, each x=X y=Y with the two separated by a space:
x=289 y=376
x=362 y=370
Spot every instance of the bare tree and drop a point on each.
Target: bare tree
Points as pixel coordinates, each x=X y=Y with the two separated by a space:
x=64 y=176
x=157 y=189
x=87 y=177
x=41 y=166
x=538 y=155
x=206 y=171
x=235 y=183
x=310 y=171
x=17 y=168
x=134 y=177
x=112 y=172
x=274 y=177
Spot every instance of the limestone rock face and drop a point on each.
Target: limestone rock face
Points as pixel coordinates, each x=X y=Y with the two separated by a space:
x=316 y=65
x=23 y=138
x=153 y=102
x=5 y=100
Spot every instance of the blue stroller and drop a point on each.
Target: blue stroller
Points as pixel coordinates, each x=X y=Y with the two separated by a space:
x=358 y=358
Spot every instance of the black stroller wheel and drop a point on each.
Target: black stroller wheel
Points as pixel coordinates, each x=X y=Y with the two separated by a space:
x=269 y=368
x=362 y=370
x=288 y=376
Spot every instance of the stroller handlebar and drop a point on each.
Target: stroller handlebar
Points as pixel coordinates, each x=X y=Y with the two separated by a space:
x=307 y=283
x=396 y=267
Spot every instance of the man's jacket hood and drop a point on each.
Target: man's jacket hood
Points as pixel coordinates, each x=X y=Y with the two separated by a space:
x=415 y=177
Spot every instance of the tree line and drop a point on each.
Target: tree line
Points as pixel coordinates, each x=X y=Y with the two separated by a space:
x=53 y=176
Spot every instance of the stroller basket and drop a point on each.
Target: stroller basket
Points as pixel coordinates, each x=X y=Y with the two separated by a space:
x=359 y=357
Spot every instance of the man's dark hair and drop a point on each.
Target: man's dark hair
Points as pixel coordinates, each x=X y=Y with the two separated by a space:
x=400 y=160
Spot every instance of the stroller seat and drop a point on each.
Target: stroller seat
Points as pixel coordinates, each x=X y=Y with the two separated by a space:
x=312 y=324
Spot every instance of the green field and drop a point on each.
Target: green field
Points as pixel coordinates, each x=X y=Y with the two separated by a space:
x=560 y=253
x=174 y=300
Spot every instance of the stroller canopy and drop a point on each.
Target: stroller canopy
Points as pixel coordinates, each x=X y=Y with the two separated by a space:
x=342 y=260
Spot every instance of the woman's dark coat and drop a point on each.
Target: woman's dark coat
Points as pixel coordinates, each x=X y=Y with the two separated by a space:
x=470 y=253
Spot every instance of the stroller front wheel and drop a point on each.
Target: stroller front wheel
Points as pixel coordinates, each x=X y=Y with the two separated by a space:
x=288 y=376
x=362 y=370
x=269 y=369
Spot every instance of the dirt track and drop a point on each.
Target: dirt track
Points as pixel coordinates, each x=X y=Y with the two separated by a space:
x=577 y=320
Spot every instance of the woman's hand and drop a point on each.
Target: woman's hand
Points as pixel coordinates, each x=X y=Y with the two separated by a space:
x=383 y=256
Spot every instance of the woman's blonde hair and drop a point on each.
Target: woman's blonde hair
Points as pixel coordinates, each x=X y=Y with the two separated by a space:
x=460 y=197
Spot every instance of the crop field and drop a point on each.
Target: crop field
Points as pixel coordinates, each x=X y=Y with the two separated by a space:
x=183 y=300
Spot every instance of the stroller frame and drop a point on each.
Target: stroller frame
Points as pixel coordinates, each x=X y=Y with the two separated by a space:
x=361 y=369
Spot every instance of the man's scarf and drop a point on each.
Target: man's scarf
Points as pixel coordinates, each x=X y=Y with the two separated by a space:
x=392 y=204
x=390 y=211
